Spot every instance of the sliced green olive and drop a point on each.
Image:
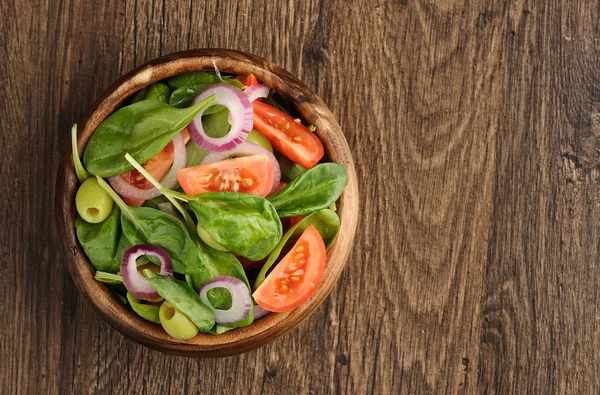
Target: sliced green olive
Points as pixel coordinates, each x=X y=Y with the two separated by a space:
x=209 y=240
x=93 y=203
x=175 y=323
x=256 y=137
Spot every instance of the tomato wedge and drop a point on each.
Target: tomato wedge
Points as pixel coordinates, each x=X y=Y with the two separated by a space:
x=157 y=166
x=289 y=137
x=247 y=174
x=296 y=277
x=247 y=80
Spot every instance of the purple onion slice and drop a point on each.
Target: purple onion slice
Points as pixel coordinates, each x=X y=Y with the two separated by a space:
x=241 y=117
x=135 y=282
x=256 y=92
x=241 y=301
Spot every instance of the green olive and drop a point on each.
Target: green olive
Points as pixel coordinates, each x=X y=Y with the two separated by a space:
x=175 y=323
x=93 y=203
x=209 y=240
x=256 y=137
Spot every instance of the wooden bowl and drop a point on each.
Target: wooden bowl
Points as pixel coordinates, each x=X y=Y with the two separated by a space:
x=268 y=328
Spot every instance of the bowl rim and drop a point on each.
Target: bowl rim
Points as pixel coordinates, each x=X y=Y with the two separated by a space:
x=268 y=328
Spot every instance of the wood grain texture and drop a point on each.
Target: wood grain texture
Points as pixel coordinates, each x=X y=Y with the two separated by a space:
x=475 y=128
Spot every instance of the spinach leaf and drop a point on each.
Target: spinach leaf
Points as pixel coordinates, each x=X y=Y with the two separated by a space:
x=311 y=191
x=184 y=97
x=108 y=278
x=100 y=241
x=146 y=311
x=194 y=154
x=193 y=78
x=145 y=225
x=143 y=129
x=140 y=95
x=184 y=298
x=158 y=91
x=119 y=296
x=216 y=125
x=245 y=224
x=153 y=203
x=219 y=298
x=82 y=174
x=290 y=169
x=327 y=223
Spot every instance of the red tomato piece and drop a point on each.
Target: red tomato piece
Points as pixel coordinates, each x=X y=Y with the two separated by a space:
x=289 y=137
x=247 y=174
x=296 y=277
x=247 y=80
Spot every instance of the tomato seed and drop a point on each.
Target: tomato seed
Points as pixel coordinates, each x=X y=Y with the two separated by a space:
x=300 y=248
x=299 y=255
x=294 y=278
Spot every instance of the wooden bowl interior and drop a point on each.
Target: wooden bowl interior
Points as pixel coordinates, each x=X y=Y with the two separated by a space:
x=268 y=328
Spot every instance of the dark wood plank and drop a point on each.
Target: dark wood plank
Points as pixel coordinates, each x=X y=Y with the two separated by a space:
x=475 y=132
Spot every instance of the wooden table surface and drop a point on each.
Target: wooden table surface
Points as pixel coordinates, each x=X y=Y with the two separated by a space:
x=475 y=127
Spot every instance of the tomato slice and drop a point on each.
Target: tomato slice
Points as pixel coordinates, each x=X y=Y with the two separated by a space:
x=247 y=174
x=157 y=166
x=247 y=80
x=289 y=137
x=296 y=277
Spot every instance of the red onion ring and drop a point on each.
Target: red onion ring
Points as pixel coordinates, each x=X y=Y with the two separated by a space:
x=241 y=118
x=169 y=180
x=259 y=312
x=135 y=282
x=247 y=149
x=241 y=302
x=256 y=91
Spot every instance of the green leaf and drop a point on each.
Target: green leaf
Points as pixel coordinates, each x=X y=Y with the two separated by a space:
x=245 y=224
x=193 y=78
x=184 y=97
x=108 y=278
x=184 y=298
x=82 y=174
x=158 y=91
x=290 y=169
x=144 y=225
x=146 y=311
x=216 y=125
x=314 y=190
x=143 y=129
x=140 y=95
x=327 y=223
x=194 y=154
x=120 y=297
x=100 y=241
